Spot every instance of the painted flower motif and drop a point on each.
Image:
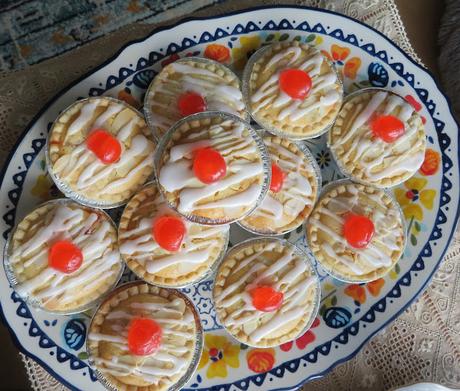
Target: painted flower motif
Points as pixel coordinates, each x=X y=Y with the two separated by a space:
x=415 y=104
x=219 y=352
x=241 y=54
x=216 y=52
x=260 y=360
x=74 y=333
x=125 y=95
x=413 y=195
x=170 y=59
x=339 y=55
x=307 y=338
x=323 y=158
x=358 y=292
x=377 y=74
x=431 y=163
x=44 y=188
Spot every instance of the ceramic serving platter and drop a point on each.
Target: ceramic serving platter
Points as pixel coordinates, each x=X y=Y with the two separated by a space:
x=349 y=314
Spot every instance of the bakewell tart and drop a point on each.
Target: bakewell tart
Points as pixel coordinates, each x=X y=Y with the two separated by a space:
x=100 y=152
x=266 y=292
x=188 y=86
x=294 y=188
x=212 y=167
x=144 y=338
x=292 y=89
x=162 y=247
x=63 y=257
x=378 y=138
x=356 y=231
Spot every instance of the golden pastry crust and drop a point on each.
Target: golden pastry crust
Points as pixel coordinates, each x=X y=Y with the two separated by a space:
x=275 y=110
x=231 y=197
x=287 y=209
x=217 y=84
x=366 y=158
x=79 y=173
x=324 y=232
x=94 y=233
x=243 y=267
x=141 y=253
x=107 y=344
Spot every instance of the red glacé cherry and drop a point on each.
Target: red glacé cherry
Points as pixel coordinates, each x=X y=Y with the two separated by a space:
x=106 y=147
x=190 y=103
x=144 y=336
x=387 y=127
x=358 y=230
x=208 y=165
x=277 y=178
x=295 y=82
x=266 y=299
x=65 y=256
x=168 y=232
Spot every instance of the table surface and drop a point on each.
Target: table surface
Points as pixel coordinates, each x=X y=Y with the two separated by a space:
x=421 y=19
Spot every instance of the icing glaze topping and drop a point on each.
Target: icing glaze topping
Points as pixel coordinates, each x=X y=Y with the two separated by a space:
x=157 y=325
x=169 y=231
x=65 y=256
x=386 y=160
x=346 y=204
x=101 y=149
x=209 y=165
x=294 y=90
x=212 y=86
x=56 y=229
x=286 y=208
x=200 y=246
x=234 y=193
x=256 y=276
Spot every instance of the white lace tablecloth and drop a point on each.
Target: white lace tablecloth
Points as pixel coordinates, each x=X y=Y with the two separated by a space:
x=423 y=344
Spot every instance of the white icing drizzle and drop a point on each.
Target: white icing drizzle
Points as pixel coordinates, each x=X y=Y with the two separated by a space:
x=199 y=243
x=218 y=92
x=296 y=193
x=377 y=159
x=81 y=166
x=174 y=354
x=384 y=241
x=227 y=138
x=94 y=237
x=322 y=94
x=287 y=274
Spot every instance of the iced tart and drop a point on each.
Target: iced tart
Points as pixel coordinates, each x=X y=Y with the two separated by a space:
x=63 y=257
x=266 y=292
x=144 y=338
x=100 y=151
x=188 y=86
x=378 y=138
x=356 y=231
x=292 y=89
x=293 y=191
x=213 y=168
x=163 y=247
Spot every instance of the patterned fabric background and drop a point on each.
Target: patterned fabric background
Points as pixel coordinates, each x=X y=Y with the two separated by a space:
x=34 y=30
